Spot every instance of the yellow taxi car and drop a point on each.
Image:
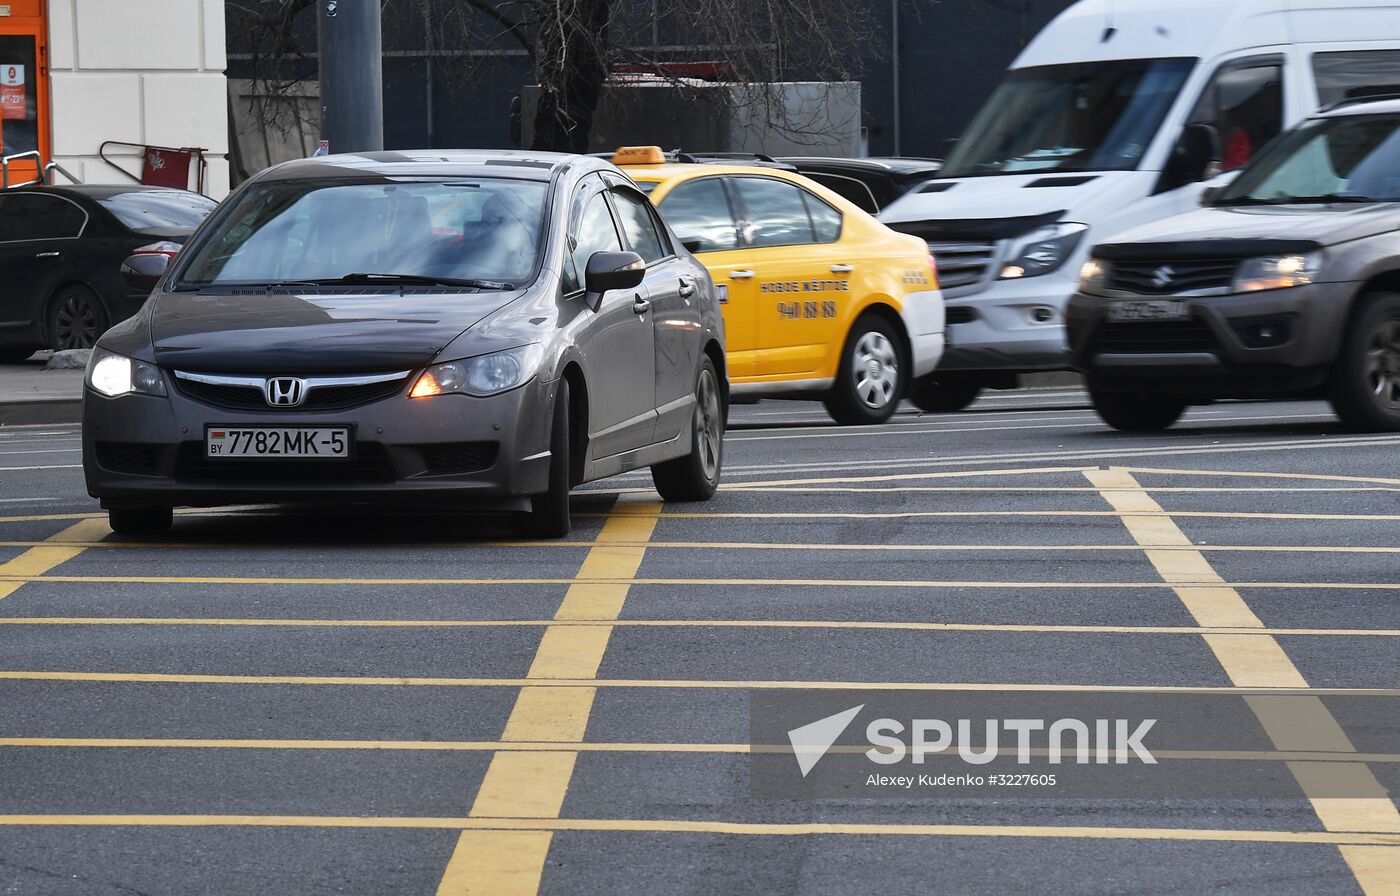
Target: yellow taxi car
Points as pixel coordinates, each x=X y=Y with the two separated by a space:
x=819 y=299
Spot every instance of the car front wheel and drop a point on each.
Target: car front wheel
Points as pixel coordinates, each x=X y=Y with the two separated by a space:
x=1365 y=387
x=695 y=477
x=873 y=376
x=548 y=516
x=1136 y=411
x=140 y=520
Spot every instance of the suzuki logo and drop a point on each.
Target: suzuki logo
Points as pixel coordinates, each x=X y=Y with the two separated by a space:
x=285 y=391
x=1163 y=276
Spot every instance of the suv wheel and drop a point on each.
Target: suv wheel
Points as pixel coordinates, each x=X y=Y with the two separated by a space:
x=1365 y=386
x=873 y=375
x=1136 y=411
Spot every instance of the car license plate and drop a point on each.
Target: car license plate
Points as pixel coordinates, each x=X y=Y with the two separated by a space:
x=1156 y=309
x=300 y=442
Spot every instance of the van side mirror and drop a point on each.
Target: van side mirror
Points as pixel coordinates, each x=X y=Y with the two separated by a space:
x=613 y=270
x=141 y=272
x=1192 y=159
x=692 y=241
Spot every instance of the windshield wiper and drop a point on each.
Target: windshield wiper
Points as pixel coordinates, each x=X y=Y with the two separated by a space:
x=362 y=278
x=1330 y=197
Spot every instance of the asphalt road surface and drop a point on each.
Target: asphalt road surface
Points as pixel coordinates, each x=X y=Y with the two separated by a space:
x=327 y=702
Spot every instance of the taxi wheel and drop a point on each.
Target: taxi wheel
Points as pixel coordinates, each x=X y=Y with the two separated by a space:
x=140 y=520
x=873 y=376
x=1365 y=388
x=695 y=477
x=1135 y=411
x=944 y=393
x=548 y=516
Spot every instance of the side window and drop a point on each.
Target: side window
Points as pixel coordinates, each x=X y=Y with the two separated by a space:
x=30 y=216
x=702 y=207
x=1357 y=73
x=637 y=224
x=848 y=188
x=1244 y=103
x=595 y=233
x=777 y=214
x=826 y=221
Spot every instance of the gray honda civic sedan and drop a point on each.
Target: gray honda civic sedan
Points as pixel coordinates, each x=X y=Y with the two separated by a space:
x=482 y=330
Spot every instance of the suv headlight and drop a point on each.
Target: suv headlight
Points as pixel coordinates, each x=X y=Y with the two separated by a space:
x=1093 y=277
x=112 y=375
x=1046 y=251
x=482 y=375
x=1276 y=272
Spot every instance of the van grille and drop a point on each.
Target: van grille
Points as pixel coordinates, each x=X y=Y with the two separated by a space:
x=962 y=264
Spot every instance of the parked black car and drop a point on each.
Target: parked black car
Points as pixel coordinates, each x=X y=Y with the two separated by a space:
x=871 y=184
x=1287 y=284
x=61 y=254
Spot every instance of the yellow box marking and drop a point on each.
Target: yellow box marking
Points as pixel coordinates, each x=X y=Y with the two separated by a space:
x=57 y=550
x=1379 y=866
x=551 y=715
x=524 y=785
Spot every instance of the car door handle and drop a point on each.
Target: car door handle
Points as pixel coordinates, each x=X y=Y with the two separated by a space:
x=49 y=255
x=842 y=268
x=687 y=288
x=641 y=306
x=741 y=275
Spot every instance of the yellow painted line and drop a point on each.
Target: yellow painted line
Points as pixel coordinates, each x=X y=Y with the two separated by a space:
x=834 y=624
x=1064 y=490
x=1319 y=477
x=533 y=783
x=525 y=746
x=663 y=683
x=1014 y=514
x=686 y=826
x=1297 y=722
x=53 y=552
x=906 y=477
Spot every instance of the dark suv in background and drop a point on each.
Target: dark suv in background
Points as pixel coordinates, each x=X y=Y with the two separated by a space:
x=1287 y=284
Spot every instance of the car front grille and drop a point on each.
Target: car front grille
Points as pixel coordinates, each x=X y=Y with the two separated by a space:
x=1155 y=337
x=240 y=397
x=459 y=457
x=129 y=457
x=962 y=263
x=1160 y=278
x=370 y=463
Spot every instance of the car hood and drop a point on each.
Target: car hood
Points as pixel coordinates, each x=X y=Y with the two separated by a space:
x=334 y=332
x=1026 y=196
x=1238 y=231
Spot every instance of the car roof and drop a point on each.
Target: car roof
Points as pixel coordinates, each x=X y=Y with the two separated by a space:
x=520 y=164
x=688 y=170
x=92 y=191
x=1379 y=105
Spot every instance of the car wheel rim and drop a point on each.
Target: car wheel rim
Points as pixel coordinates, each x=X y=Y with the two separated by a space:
x=875 y=369
x=75 y=324
x=1383 y=364
x=709 y=425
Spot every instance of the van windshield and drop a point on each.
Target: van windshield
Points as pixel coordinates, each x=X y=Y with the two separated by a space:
x=1332 y=160
x=1083 y=116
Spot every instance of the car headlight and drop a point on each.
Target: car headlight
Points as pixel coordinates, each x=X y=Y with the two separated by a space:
x=1093 y=276
x=1277 y=272
x=482 y=375
x=112 y=375
x=1046 y=251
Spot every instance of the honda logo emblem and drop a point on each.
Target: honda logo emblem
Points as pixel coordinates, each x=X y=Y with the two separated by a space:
x=285 y=391
x=1163 y=276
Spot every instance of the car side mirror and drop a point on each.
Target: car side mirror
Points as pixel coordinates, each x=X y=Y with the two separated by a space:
x=142 y=271
x=613 y=270
x=692 y=241
x=1193 y=157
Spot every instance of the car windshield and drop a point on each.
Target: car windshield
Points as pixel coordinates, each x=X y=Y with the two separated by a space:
x=1348 y=159
x=483 y=231
x=159 y=210
x=1085 y=116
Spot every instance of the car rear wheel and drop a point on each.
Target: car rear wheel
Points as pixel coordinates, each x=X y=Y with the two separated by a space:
x=873 y=376
x=140 y=520
x=1136 y=411
x=76 y=319
x=548 y=516
x=1365 y=386
x=944 y=393
x=695 y=477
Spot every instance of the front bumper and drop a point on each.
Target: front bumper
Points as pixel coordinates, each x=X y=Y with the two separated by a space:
x=455 y=450
x=1013 y=325
x=1218 y=352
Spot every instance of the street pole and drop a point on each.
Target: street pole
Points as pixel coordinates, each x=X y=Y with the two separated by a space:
x=352 y=74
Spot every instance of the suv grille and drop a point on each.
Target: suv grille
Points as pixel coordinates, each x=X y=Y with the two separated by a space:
x=318 y=398
x=1160 y=337
x=962 y=264
x=1147 y=277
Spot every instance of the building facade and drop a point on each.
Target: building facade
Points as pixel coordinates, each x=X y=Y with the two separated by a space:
x=77 y=73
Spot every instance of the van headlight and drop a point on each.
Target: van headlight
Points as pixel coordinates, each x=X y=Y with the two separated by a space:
x=1045 y=251
x=483 y=375
x=1277 y=272
x=1093 y=277
x=112 y=375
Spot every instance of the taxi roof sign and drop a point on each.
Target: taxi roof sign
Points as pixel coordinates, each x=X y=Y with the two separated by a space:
x=639 y=155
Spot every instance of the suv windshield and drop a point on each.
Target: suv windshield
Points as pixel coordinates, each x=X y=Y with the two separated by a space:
x=1347 y=159
x=1086 y=116
x=485 y=231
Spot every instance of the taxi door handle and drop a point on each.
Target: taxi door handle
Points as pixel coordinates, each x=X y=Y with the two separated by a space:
x=687 y=288
x=641 y=306
x=741 y=275
x=842 y=268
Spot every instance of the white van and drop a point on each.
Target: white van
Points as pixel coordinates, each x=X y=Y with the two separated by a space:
x=1101 y=125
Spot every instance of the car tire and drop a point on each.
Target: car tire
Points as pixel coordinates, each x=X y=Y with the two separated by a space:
x=1365 y=384
x=873 y=376
x=548 y=516
x=75 y=318
x=140 y=520
x=695 y=477
x=1136 y=411
x=944 y=393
